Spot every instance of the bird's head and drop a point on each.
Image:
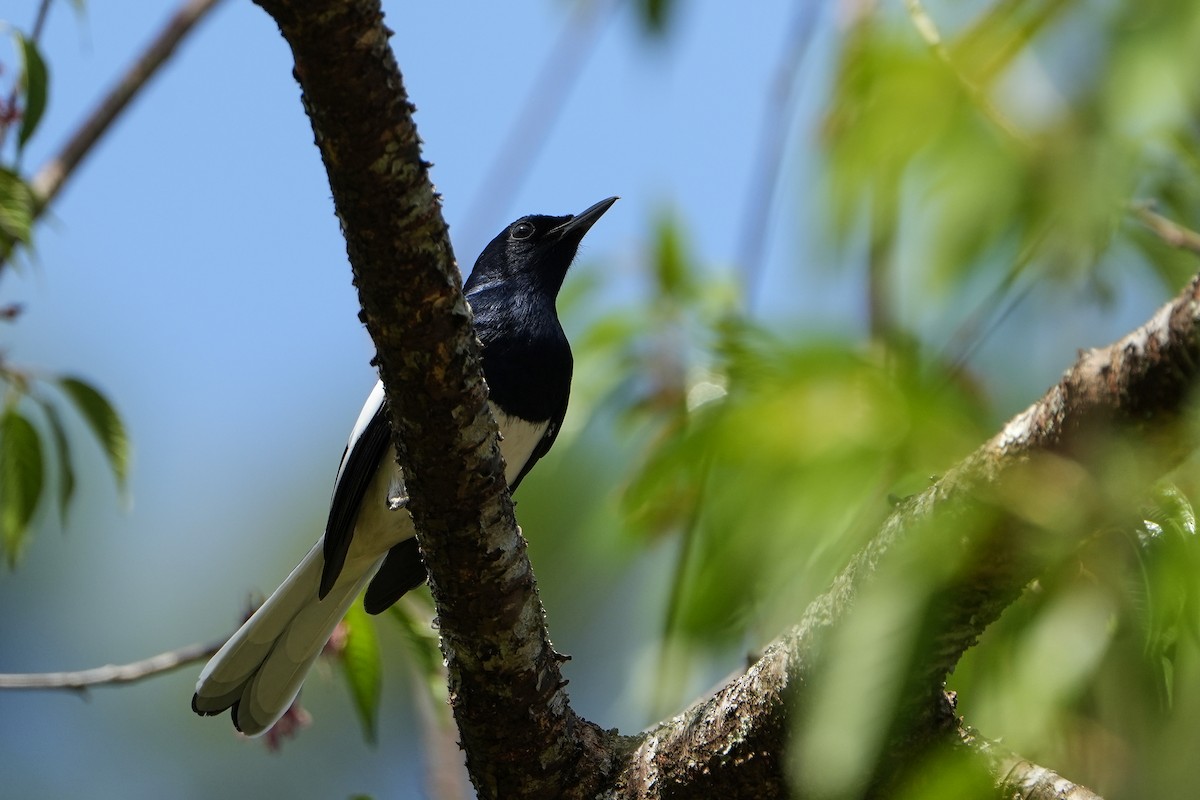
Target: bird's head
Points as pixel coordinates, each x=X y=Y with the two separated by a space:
x=537 y=249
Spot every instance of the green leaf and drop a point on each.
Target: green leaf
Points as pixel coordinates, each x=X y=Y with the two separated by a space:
x=363 y=668
x=1163 y=593
x=34 y=82
x=62 y=447
x=413 y=617
x=16 y=207
x=671 y=267
x=655 y=15
x=102 y=418
x=21 y=478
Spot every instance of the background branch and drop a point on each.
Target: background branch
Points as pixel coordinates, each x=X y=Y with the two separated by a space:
x=53 y=175
x=112 y=673
x=1018 y=777
x=927 y=29
x=1169 y=231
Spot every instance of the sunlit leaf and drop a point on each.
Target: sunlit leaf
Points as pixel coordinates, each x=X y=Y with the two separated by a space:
x=1001 y=34
x=104 y=422
x=776 y=479
x=34 y=83
x=1166 y=592
x=363 y=668
x=21 y=479
x=16 y=208
x=62 y=447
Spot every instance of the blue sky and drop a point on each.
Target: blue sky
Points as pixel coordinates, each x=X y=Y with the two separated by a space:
x=193 y=269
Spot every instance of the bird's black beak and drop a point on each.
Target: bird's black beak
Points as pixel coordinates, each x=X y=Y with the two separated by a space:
x=581 y=223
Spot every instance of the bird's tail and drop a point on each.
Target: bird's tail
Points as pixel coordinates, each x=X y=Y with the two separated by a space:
x=259 y=671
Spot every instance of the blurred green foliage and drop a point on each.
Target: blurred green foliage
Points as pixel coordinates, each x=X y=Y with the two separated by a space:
x=21 y=108
x=23 y=464
x=363 y=668
x=997 y=152
x=23 y=97
x=998 y=155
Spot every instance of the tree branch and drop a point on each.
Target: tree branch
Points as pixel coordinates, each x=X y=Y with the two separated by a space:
x=519 y=733
x=111 y=673
x=1016 y=777
x=53 y=175
x=1141 y=384
x=928 y=31
x=1169 y=231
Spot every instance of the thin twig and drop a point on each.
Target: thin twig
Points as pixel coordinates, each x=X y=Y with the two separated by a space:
x=1019 y=777
x=984 y=320
x=39 y=21
x=1002 y=56
x=51 y=177
x=1168 y=230
x=928 y=31
x=112 y=673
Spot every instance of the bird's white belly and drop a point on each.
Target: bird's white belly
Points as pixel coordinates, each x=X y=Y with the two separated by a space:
x=382 y=524
x=517 y=442
x=382 y=519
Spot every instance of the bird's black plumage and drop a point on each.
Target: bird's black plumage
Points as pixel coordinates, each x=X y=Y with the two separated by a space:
x=369 y=536
x=527 y=364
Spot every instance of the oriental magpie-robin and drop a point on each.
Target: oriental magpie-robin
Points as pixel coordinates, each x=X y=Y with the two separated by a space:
x=369 y=539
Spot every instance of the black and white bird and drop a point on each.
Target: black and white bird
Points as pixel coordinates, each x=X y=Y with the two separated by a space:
x=369 y=538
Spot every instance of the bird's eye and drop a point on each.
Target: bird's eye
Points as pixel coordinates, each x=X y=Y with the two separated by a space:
x=522 y=230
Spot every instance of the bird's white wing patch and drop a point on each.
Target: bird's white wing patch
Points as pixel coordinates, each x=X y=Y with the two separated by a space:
x=518 y=440
x=517 y=443
x=369 y=409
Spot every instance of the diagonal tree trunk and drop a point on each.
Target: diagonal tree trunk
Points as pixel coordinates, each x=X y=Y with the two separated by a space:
x=519 y=733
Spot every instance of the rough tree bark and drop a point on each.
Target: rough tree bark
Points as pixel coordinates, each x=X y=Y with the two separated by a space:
x=504 y=676
x=519 y=733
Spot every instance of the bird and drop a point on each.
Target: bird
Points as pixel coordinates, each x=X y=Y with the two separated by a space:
x=369 y=539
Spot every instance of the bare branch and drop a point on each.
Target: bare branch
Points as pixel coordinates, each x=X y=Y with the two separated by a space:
x=39 y=21
x=112 y=673
x=1016 y=777
x=1169 y=231
x=51 y=177
x=928 y=31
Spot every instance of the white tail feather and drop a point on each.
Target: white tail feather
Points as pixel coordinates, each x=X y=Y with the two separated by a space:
x=262 y=666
